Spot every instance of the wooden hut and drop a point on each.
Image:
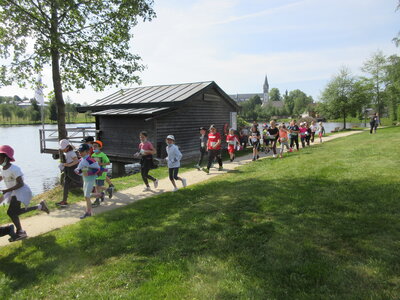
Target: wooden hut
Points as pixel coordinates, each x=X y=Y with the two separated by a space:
x=178 y=109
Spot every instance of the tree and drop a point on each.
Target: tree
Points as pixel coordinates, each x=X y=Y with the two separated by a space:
x=375 y=67
x=52 y=110
x=274 y=95
x=35 y=111
x=300 y=101
x=84 y=41
x=337 y=95
x=392 y=82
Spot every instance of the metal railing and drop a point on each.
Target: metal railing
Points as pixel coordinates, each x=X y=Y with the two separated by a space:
x=74 y=135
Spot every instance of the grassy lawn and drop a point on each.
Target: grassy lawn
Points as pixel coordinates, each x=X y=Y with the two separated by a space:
x=322 y=223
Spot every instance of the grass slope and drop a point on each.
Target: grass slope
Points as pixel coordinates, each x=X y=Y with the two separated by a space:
x=320 y=224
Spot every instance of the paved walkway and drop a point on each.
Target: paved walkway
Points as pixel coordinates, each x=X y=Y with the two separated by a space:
x=39 y=224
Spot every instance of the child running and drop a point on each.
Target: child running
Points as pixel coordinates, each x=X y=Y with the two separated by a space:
x=89 y=169
x=103 y=161
x=146 y=152
x=303 y=134
x=308 y=134
x=203 y=147
x=255 y=141
x=16 y=192
x=321 y=131
x=233 y=141
x=283 y=135
x=214 y=149
x=273 y=136
x=174 y=162
x=70 y=177
x=294 y=135
x=313 y=128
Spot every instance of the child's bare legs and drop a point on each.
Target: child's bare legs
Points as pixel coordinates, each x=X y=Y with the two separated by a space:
x=88 y=205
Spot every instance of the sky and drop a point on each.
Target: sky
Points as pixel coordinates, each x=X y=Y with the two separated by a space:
x=297 y=44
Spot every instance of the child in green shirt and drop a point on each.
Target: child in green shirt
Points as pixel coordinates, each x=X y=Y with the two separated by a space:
x=103 y=161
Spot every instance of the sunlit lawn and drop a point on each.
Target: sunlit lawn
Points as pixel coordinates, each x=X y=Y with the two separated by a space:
x=322 y=223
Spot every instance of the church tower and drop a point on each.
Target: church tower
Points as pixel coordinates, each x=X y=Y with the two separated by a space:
x=266 y=91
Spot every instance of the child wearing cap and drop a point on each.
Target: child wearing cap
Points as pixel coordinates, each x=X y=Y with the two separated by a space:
x=173 y=158
x=103 y=161
x=203 y=146
x=16 y=191
x=88 y=168
x=303 y=134
x=233 y=140
x=70 y=177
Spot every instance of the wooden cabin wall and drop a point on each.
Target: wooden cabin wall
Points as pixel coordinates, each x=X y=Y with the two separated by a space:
x=120 y=135
x=184 y=124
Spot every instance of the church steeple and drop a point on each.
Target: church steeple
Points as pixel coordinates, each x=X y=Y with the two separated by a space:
x=266 y=91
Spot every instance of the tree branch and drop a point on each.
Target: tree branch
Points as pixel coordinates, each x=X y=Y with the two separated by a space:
x=26 y=12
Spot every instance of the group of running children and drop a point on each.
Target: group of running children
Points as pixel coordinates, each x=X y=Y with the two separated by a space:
x=90 y=164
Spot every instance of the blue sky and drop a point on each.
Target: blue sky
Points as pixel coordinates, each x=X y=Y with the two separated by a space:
x=298 y=44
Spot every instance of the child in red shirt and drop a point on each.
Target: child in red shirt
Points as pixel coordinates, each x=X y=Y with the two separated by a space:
x=214 y=149
x=233 y=140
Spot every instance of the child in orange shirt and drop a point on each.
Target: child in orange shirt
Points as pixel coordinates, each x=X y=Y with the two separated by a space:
x=283 y=136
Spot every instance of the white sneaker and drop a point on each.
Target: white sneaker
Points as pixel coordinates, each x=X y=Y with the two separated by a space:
x=175 y=189
x=184 y=183
x=146 y=189
x=155 y=183
x=197 y=167
x=274 y=156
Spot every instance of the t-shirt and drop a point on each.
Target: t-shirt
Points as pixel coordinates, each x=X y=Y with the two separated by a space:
x=101 y=158
x=146 y=146
x=295 y=128
x=69 y=156
x=231 y=139
x=254 y=135
x=203 y=141
x=272 y=132
x=283 y=135
x=24 y=193
x=303 y=131
x=313 y=128
x=213 y=140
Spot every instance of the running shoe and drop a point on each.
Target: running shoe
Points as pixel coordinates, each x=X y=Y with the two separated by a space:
x=155 y=183
x=21 y=235
x=175 y=189
x=85 y=215
x=102 y=197
x=197 y=167
x=110 y=191
x=146 y=189
x=274 y=156
x=220 y=169
x=62 y=204
x=44 y=208
x=96 y=203
x=206 y=170
x=184 y=183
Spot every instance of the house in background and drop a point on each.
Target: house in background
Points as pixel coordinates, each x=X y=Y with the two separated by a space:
x=178 y=109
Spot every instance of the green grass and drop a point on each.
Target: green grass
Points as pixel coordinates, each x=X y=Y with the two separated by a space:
x=322 y=223
x=121 y=183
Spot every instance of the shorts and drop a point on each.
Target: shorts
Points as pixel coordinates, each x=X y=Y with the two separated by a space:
x=88 y=184
x=100 y=182
x=231 y=148
x=320 y=134
x=256 y=145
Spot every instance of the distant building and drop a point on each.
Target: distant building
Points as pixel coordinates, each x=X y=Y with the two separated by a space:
x=264 y=96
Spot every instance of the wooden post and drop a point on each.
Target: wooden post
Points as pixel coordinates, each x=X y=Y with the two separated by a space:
x=118 y=169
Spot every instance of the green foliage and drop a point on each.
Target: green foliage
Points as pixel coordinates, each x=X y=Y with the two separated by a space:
x=274 y=95
x=52 y=110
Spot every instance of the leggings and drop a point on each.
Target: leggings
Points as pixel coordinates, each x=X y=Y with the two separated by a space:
x=173 y=174
x=303 y=141
x=294 y=140
x=214 y=154
x=273 y=145
x=70 y=179
x=15 y=210
x=312 y=136
x=308 y=137
x=283 y=144
x=202 y=154
x=146 y=164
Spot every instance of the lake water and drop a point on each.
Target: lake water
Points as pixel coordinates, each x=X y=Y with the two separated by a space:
x=41 y=170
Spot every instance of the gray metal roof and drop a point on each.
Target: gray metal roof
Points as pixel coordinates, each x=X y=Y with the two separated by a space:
x=131 y=111
x=153 y=94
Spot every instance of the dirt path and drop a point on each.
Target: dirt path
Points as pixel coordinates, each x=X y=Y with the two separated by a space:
x=39 y=224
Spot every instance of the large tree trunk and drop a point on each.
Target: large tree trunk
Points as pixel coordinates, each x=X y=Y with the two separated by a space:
x=55 y=64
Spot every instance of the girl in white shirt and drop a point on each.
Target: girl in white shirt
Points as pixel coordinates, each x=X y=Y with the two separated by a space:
x=16 y=191
x=174 y=161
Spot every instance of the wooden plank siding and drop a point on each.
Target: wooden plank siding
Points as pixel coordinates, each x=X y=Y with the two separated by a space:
x=184 y=124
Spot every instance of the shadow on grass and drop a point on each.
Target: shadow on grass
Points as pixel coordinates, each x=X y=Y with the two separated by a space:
x=292 y=238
